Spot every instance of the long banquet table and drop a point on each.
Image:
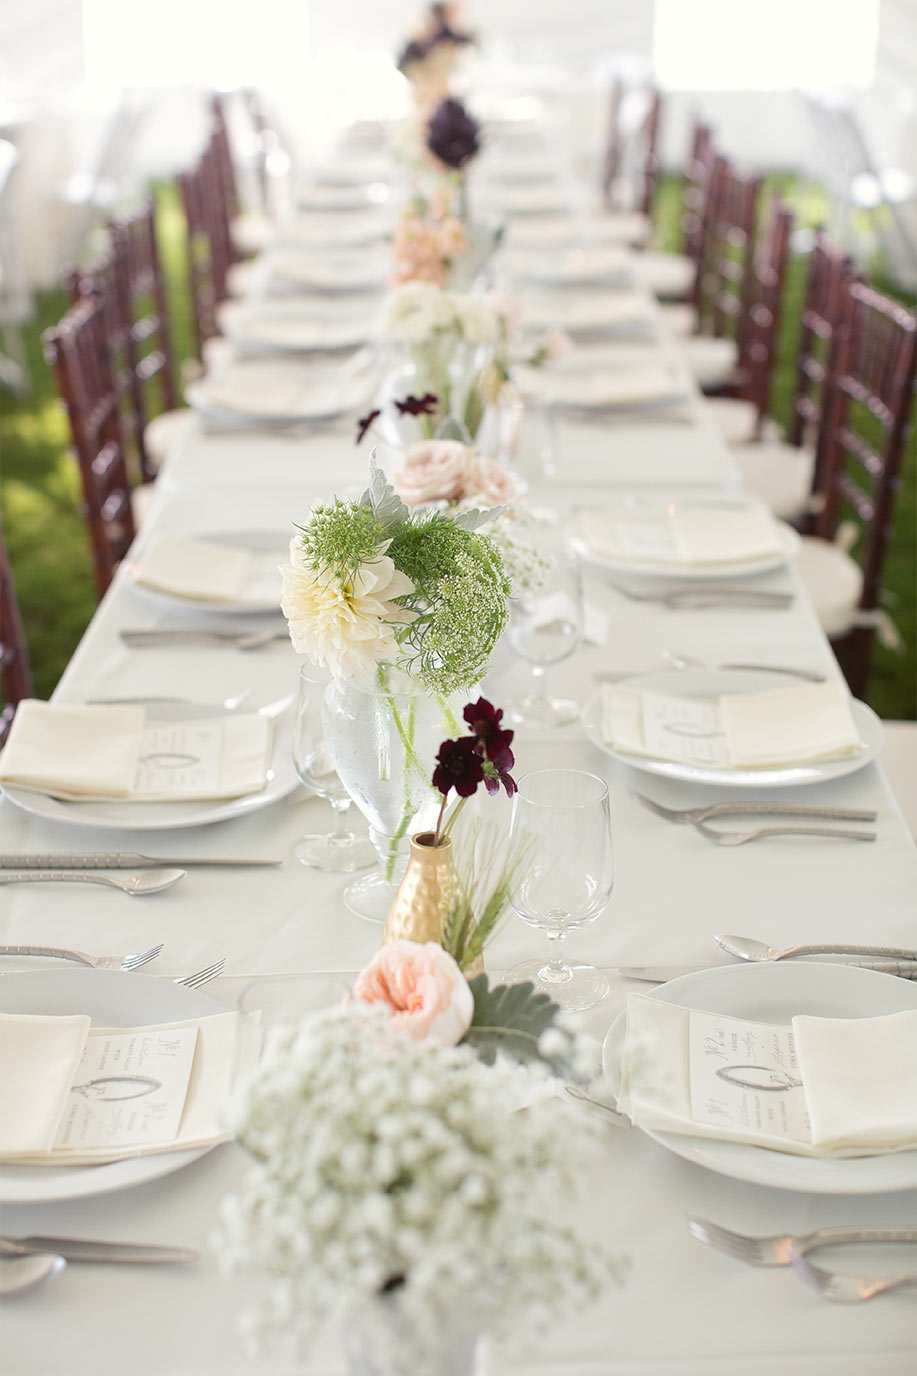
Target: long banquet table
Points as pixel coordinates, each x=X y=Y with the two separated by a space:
x=682 y=1309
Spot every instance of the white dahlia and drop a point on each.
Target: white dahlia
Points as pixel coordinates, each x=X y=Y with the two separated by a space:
x=346 y=624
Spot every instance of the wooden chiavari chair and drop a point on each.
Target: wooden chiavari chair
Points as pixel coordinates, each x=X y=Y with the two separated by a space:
x=15 y=672
x=743 y=419
x=717 y=359
x=207 y=246
x=681 y=319
x=78 y=351
x=864 y=427
x=785 y=473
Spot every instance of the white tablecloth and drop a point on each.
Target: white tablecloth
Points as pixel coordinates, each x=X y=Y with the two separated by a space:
x=684 y=1309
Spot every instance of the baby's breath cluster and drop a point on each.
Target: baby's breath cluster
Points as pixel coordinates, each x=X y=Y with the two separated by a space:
x=389 y=1167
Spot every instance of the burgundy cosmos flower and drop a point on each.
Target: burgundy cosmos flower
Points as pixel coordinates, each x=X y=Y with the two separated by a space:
x=484 y=721
x=417 y=406
x=452 y=134
x=364 y=423
x=459 y=765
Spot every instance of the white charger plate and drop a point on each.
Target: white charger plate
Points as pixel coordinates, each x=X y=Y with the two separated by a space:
x=259 y=541
x=713 y=683
x=691 y=573
x=776 y=992
x=112 y=998
x=281 y=780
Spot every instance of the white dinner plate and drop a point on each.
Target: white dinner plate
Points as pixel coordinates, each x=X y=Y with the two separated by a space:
x=702 y=683
x=707 y=573
x=286 y=326
x=112 y=998
x=352 y=270
x=776 y=992
x=273 y=544
x=121 y=816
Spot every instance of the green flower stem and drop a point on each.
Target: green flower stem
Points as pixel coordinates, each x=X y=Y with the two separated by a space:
x=411 y=760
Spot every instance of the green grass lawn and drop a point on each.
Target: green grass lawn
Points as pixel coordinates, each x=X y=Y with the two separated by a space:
x=39 y=486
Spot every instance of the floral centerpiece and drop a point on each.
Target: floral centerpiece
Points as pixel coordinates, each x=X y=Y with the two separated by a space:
x=430 y=56
x=404 y=608
x=393 y=1186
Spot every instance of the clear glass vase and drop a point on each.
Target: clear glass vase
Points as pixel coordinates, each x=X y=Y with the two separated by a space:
x=383 y=741
x=379 y=1340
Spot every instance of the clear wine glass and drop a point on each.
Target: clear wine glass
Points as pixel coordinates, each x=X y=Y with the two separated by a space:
x=545 y=627
x=340 y=850
x=568 y=877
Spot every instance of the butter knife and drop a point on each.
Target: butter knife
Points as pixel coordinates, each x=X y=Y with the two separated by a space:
x=77 y=1249
x=661 y=974
x=120 y=860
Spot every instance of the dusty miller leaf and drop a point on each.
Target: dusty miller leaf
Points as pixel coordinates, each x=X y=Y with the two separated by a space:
x=382 y=499
x=508 y=1018
x=475 y=517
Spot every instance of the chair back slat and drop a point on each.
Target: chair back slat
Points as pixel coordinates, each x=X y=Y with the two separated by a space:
x=146 y=291
x=78 y=351
x=630 y=166
x=763 y=324
x=15 y=671
x=696 y=204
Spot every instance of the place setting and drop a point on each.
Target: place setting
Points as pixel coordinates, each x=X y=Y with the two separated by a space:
x=277 y=393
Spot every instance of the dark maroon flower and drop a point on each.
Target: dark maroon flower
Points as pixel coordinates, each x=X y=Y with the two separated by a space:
x=452 y=134
x=485 y=721
x=364 y=423
x=411 y=53
x=496 y=771
x=418 y=406
x=459 y=765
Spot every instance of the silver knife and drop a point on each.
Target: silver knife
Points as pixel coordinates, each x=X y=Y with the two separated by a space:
x=661 y=974
x=77 y=1249
x=197 y=635
x=120 y=860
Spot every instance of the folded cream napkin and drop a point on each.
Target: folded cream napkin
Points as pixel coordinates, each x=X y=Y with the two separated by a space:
x=38 y=1060
x=693 y=535
x=570 y=265
x=124 y=754
x=622 y=387
x=273 y=390
x=800 y=724
x=596 y=312
x=201 y=570
x=353 y=269
x=858 y=1078
x=225 y=1048
x=291 y=332
x=550 y=230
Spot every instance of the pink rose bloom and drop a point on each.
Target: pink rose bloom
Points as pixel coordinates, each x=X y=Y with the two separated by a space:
x=489 y=480
x=434 y=471
x=423 y=986
x=557 y=344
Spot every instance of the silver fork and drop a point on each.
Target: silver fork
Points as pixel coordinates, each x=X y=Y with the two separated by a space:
x=701 y=599
x=739 y=838
x=701 y=814
x=132 y=962
x=200 y=977
x=845 y=1288
x=782 y=1249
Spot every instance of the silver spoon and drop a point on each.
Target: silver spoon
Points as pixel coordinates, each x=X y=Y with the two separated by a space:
x=19 y=1275
x=687 y=662
x=149 y=881
x=748 y=949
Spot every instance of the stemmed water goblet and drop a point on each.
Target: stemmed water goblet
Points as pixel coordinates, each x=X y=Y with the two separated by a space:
x=567 y=879
x=545 y=627
x=340 y=850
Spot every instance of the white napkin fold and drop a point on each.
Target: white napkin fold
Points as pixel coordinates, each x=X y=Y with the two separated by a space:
x=201 y=570
x=355 y=268
x=123 y=754
x=226 y=1047
x=570 y=265
x=73 y=749
x=272 y=390
x=295 y=332
x=803 y=723
x=859 y=1076
x=39 y=1057
x=622 y=387
x=599 y=311
x=692 y=535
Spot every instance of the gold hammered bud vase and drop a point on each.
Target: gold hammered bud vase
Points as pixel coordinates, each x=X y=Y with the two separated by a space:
x=426 y=895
